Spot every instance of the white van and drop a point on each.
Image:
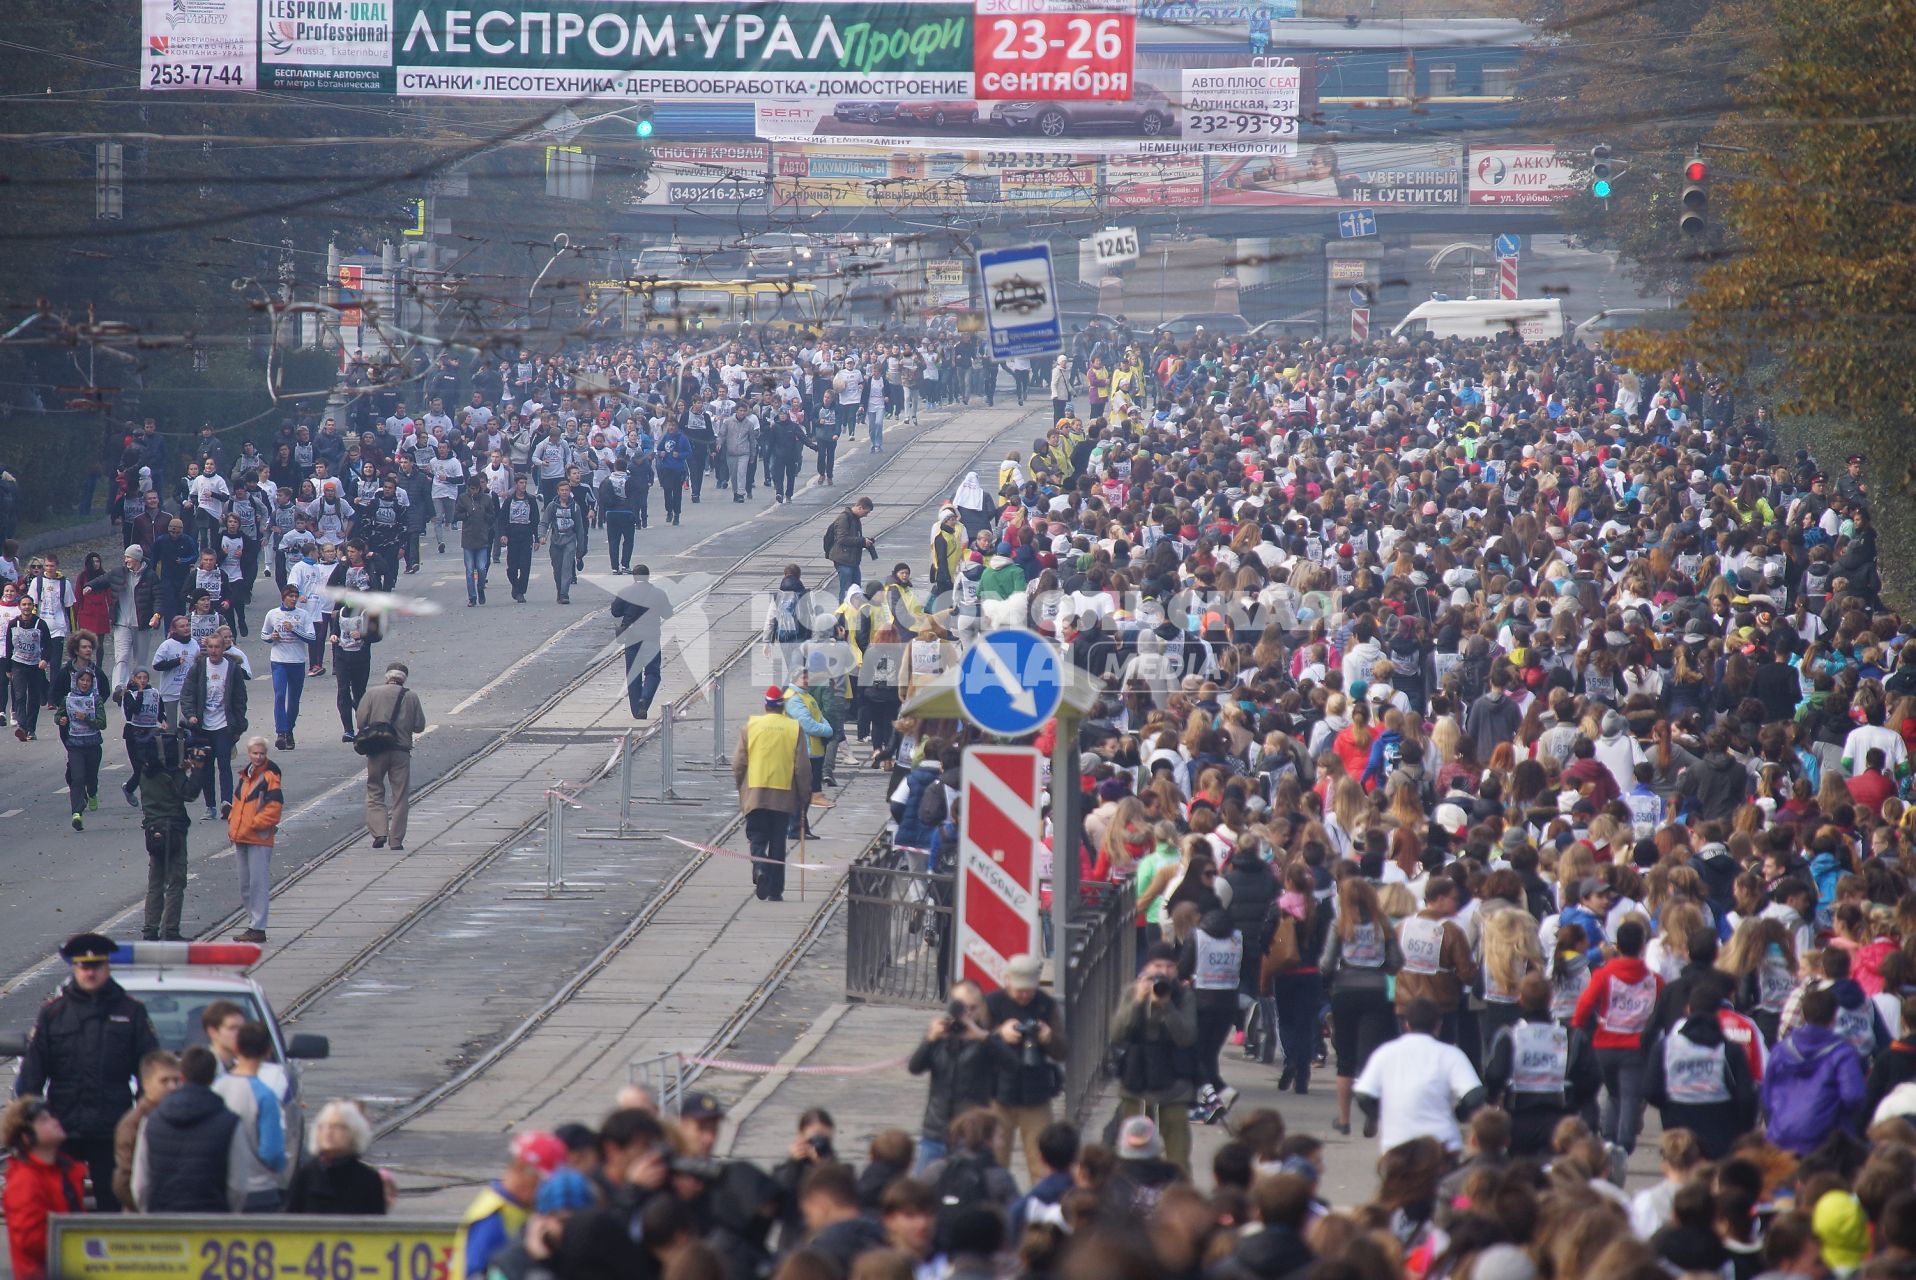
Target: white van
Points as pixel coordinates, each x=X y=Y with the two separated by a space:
x=1535 y=319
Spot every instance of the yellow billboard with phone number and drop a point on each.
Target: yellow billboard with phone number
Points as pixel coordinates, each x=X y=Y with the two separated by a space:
x=253 y=1247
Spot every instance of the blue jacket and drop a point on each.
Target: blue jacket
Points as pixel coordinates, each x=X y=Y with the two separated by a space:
x=913 y=832
x=1812 y=1086
x=1384 y=755
x=1592 y=929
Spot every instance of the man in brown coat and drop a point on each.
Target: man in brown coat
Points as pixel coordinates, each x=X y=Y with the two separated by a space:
x=773 y=771
x=1438 y=965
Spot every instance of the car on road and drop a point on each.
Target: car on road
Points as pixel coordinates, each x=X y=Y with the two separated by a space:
x=1599 y=330
x=938 y=114
x=1149 y=112
x=177 y=980
x=1296 y=327
x=1184 y=327
x=865 y=112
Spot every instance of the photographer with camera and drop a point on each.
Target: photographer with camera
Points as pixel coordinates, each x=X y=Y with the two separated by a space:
x=956 y=1053
x=1027 y=1050
x=1155 y=1036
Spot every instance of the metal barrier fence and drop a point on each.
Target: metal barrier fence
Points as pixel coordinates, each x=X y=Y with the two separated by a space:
x=1101 y=962
x=898 y=935
x=898 y=924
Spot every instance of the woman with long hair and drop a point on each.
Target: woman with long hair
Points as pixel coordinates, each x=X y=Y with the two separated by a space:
x=1762 y=958
x=1360 y=955
x=1511 y=953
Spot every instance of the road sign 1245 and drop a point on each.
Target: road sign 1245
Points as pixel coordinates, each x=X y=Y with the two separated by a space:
x=1114 y=245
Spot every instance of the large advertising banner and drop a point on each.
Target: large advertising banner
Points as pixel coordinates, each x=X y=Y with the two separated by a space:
x=1139 y=182
x=669 y=49
x=715 y=173
x=1343 y=174
x=629 y=49
x=1150 y=123
x=865 y=177
x=199 y=44
x=1519 y=175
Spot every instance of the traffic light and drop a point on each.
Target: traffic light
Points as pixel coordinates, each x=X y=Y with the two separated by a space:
x=642 y=126
x=1601 y=171
x=1696 y=197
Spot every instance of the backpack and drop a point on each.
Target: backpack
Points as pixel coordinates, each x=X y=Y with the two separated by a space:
x=931 y=804
x=831 y=536
x=961 y=1185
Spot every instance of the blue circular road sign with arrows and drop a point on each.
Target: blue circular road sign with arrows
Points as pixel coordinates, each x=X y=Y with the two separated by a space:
x=1010 y=682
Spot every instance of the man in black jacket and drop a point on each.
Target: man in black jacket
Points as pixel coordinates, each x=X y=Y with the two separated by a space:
x=83 y=1055
x=191 y=1156
x=846 y=544
x=1027 y=1045
x=1155 y=1033
x=956 y=1053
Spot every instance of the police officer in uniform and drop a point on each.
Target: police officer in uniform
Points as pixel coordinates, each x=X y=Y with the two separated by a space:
x=1543 y=1070
x=1698 y=1081
x=85 y=1055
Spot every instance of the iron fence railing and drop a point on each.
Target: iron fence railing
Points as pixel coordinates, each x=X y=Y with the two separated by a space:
x=898 y=923
x=1101 y=960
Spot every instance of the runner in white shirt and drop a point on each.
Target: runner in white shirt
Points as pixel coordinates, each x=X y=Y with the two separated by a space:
x=289 y=632
x=1416 y=1083
x=448 y=475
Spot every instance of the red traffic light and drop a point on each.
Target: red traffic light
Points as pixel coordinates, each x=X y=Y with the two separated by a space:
x=1696 y=171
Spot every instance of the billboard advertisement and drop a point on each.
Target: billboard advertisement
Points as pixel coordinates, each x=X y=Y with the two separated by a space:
x=328 y=45
x=1343 y=174
x=1519 y=175
x=1138 y=182
x=1149 y=123
x=729 y=174
x=628 y=49
x=864 y=177
x=198 y=44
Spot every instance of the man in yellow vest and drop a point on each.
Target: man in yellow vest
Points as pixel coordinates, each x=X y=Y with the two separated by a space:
x=773 y=771
x=498 y=1213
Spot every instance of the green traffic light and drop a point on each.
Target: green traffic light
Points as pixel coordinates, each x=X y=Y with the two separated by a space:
x=644 y=129
x=1600 y=189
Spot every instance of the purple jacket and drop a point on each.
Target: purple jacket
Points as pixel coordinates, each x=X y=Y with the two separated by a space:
x=1812 y=1086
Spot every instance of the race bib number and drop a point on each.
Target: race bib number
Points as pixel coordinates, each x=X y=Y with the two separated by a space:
x=1423 y=943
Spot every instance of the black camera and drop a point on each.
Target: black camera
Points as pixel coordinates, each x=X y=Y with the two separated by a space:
x=822 y=1144
x=1162 y=987
x=704 y=1168
x=1030 y=1052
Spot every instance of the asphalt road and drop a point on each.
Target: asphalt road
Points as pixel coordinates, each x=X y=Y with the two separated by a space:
x=477 y=671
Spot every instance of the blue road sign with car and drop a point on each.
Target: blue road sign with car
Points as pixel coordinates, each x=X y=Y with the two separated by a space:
x=1021 y=301
x=1010 y=682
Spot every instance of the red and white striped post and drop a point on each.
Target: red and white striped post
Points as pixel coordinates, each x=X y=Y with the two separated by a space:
x=999 y=825
x=1506 y=278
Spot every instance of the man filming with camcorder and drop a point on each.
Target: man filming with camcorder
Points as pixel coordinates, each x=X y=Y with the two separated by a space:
x=1027 y=1047
x=1155 y=1035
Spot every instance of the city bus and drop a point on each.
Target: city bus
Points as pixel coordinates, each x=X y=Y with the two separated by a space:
x=705 y=306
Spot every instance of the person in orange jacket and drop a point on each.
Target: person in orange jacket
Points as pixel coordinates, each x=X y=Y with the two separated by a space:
x=41 y=1181
x=251 y=825
x=1616 y=1009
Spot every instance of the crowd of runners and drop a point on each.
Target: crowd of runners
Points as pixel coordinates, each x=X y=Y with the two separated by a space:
x=1518 y=737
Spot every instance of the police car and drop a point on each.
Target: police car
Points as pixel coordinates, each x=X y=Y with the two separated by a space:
x=177 y=980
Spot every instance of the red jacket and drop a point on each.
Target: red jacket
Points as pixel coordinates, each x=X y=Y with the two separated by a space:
x=1617 y=1005
x=36 y=1189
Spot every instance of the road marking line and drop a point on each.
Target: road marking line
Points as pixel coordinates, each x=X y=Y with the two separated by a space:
x=14 y=813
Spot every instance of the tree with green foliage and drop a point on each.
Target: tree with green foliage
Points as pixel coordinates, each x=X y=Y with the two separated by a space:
x=1818 y=213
